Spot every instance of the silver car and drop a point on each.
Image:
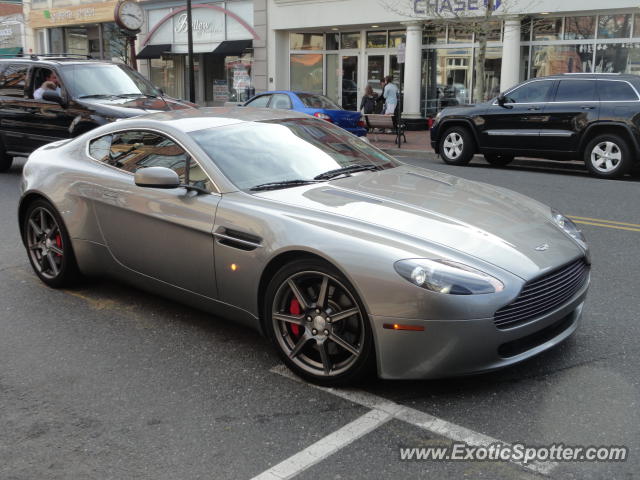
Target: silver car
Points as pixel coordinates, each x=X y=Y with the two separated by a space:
x=348 y=260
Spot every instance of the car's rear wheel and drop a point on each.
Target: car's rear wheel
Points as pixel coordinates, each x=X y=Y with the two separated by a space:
x=5 y=159
x=48 y=245
x=498 y=159
x=608 y=156
x=457 y=146
x=318 y=324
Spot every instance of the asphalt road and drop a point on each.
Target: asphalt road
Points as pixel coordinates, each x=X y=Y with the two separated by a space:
x=107 y=382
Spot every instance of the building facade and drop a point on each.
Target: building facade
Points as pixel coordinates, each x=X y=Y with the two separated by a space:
x=223 y=43
x=338 y=47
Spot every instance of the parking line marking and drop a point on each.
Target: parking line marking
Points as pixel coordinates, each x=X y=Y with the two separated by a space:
x=607 y=226
x=326 y=446
x=418 y=419
x=600 y=220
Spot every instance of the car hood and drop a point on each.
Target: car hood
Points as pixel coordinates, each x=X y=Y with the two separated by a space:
x=493 y=224
x=129 y=107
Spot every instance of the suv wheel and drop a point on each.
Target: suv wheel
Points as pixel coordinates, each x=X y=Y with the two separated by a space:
x=457 y=146
x=5 y=160
x=608 y=156
x=498 y=159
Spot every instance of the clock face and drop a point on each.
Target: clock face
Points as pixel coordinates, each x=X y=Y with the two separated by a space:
x=130 y=15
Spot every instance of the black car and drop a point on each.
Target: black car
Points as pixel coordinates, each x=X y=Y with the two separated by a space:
x=44 y=99
x=589 y=117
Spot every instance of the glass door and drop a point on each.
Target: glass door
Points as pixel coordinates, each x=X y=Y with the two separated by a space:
x=350 y=82
x=332 y=77
x=375 y=72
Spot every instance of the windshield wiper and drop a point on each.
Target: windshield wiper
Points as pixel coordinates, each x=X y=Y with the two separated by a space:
x=97 y=95
x=283 y=184
x=129 y=95
x=344 y=170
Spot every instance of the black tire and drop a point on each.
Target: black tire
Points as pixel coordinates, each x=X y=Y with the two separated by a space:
x=457 y=146
x=44 y=240
x=608 y=156
x=498 y=159
x=5 y=160
x=313 y=349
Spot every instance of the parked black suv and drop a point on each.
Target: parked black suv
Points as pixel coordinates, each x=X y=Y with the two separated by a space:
x=590 y=117
x=83 y=95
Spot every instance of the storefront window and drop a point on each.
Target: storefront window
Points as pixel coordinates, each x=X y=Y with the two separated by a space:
x=164 y=73
x=494 y=34
x=332 y=74
x=307 y=41
x=616 y=58
x=396 y=38
x=578 y=28
x=448 y=78
x=556 y=59
x=636 y=26
x=547 y=29
x=614 y=26
x=460 y=35
x=492 y=65
x=525 y=30
x=306 y=72
x=56 y=40
x=350 y=40
x=238 y=71
x=333 y=41
x=434 y=34
x=377 y=39
x=524 y=63
x=114 y=43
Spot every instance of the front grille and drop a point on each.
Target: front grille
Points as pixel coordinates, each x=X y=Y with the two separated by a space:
x=543 y=295
x=521 y=345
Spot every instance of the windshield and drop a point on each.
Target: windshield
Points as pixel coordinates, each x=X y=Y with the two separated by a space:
x=106 y=79
x=256 y=153
x=311 y=100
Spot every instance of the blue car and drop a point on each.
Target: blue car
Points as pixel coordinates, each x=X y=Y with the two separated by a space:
x=312 y=104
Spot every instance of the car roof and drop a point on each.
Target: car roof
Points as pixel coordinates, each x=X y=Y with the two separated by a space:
x=189 y=120
x=592 y=76
x=53 y=60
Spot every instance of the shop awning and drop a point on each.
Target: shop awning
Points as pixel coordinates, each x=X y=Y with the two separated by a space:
x=154 y=51
x=232 y=47
x=10 y=51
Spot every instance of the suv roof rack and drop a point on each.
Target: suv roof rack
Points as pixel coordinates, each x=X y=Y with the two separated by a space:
x=48 y=56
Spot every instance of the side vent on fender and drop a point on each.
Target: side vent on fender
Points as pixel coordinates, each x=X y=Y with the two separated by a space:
x=237 y=239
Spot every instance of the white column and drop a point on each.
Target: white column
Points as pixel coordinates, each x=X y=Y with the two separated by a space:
x=510 y=71
x=412 y=71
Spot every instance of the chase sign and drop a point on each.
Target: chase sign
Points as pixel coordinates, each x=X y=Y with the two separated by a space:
x=425 y=7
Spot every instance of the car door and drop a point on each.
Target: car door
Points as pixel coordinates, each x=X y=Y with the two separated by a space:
x=162 y=233
x=575 y=106
x=13 y=77
x=515 y=124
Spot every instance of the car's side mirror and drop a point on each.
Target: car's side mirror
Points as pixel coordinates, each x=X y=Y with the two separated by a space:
x=501 y=99
x=53 y=96
x=156 y=177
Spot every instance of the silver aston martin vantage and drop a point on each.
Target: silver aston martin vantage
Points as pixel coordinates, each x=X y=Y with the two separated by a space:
x=348 y=260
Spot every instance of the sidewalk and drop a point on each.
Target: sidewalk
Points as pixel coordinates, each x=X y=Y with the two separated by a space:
x=417 y=141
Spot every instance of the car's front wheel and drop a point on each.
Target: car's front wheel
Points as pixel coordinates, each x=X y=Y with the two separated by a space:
x=608 y=156
x=5 y=159
x=498 y=159
x=48 y=245
x=318 y=324
x=457 y=146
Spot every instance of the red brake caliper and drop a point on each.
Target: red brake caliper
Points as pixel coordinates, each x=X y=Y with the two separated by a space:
x=58 y=242
x=294 y=309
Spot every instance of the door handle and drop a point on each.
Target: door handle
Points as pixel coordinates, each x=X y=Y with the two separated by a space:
x=587 y=107
x=534 y=109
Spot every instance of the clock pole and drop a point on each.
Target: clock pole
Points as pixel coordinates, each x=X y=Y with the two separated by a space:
x=192 y=80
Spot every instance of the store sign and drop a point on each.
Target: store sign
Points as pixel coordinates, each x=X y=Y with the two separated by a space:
x=74 y=15
x=197 y=25
x=431 y=7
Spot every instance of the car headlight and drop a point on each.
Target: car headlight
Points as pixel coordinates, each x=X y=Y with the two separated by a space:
x=447 y=276
x=569 y=228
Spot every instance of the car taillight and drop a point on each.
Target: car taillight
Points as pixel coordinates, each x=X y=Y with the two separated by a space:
x=361 y=122
x=323 y=116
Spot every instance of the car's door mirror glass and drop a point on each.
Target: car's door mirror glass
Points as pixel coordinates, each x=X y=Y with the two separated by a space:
x=53 y=96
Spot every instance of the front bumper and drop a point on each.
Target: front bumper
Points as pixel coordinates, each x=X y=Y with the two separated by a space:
x=449 y=348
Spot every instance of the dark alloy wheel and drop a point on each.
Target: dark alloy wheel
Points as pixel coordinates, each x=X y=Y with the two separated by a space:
x=498 y=159
x=48 y=245
x=457 y=146
x=318 y=324
x=608 y=156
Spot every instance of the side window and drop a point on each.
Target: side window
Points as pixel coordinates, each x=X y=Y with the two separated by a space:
x=576 y=91
x=132 y=150
x=12 y=80
x=260 y=102
x=616 y=91
x=534 y=92
x=281 y=102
